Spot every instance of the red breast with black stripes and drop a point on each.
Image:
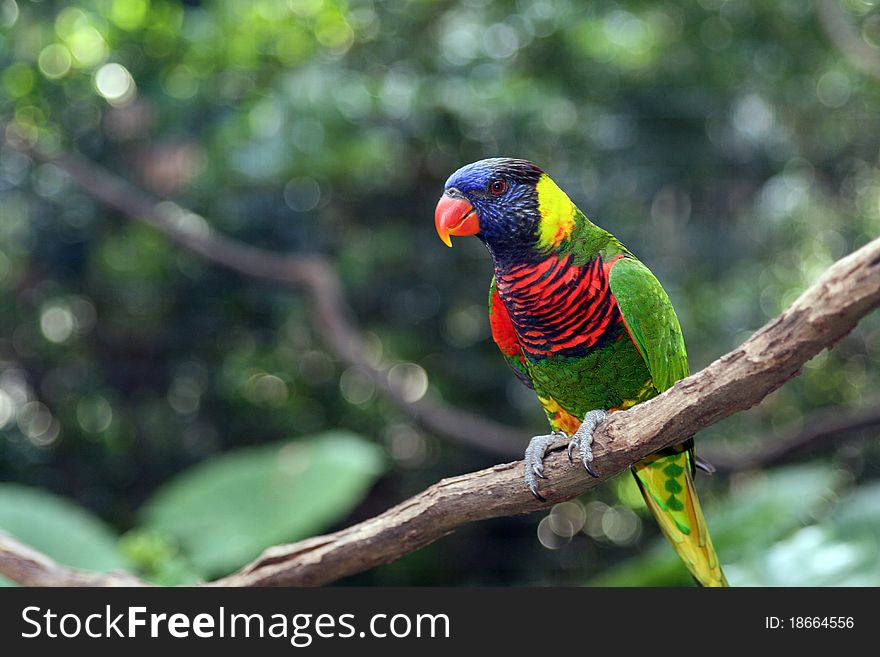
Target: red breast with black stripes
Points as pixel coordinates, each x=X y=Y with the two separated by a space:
x=559 y=309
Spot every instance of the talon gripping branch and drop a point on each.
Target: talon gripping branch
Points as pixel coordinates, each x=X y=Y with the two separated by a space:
x=585 y=324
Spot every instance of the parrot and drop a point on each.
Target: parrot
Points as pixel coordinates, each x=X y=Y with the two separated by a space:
x=586 y=325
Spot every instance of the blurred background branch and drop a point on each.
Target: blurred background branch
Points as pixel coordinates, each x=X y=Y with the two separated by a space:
x=821 y=431
x=817 y=320
x=312 y=275
x=28 y=567
x=847 y=39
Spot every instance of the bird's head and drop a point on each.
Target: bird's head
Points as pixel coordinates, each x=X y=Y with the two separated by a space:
x=511 y=205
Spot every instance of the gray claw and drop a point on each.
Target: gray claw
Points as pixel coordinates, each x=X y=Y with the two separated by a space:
x=583 y=439
x=534 y=461
x=538 y=496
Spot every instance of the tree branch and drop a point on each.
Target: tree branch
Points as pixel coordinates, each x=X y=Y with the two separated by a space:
x=847 y=39
x=311 y=275
x=818 y=319
x=819 y=429
x=28 y=567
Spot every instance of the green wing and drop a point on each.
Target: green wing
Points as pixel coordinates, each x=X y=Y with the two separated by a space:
x=651 y=320
x=665 y=478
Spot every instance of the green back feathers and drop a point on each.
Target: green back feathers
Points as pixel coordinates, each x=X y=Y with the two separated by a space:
x=651 y=321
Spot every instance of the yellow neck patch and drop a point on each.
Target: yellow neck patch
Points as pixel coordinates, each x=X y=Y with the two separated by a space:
x=557 y=213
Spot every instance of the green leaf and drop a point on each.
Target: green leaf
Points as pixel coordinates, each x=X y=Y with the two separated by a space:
x=224 y=512
x=58 y=528
x=744 y=523
x=840 y=550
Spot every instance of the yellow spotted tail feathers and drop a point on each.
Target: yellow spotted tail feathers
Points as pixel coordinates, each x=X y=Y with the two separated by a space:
x=667 y=484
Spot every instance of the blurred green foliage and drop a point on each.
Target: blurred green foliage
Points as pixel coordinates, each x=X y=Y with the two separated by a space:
x=56 y=526
x=753 y=516
x=212 y=518
x=726 y=142
x=226 y=511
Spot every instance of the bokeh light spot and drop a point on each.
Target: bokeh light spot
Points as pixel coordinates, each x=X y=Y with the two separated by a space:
x=185 y=394
x=37 y=424
x=567 y=519
x=86 y=45
x=115 y=84
x=266 y=390
x=7 y=408
x=355 y=387
x=8 y=13
x=406 y=444
x=409 y=380
x=302 y=194
x=181 y=82
x=18 y=79
x=54 y=61
x=57 y=322
x=833 y=89
x=549 y=538
x=129 y=14
x=620 y=525
x=94 y=414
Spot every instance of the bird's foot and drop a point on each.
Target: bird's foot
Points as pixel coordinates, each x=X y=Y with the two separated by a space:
x=583 y=439
x=534 y=460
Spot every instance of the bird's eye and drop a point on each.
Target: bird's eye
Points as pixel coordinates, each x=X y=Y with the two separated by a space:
x=497 y=187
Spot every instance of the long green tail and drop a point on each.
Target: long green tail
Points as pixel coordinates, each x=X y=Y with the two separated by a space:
x=667 y=484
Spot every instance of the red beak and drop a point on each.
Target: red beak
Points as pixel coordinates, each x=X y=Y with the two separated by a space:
x=455 y=216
